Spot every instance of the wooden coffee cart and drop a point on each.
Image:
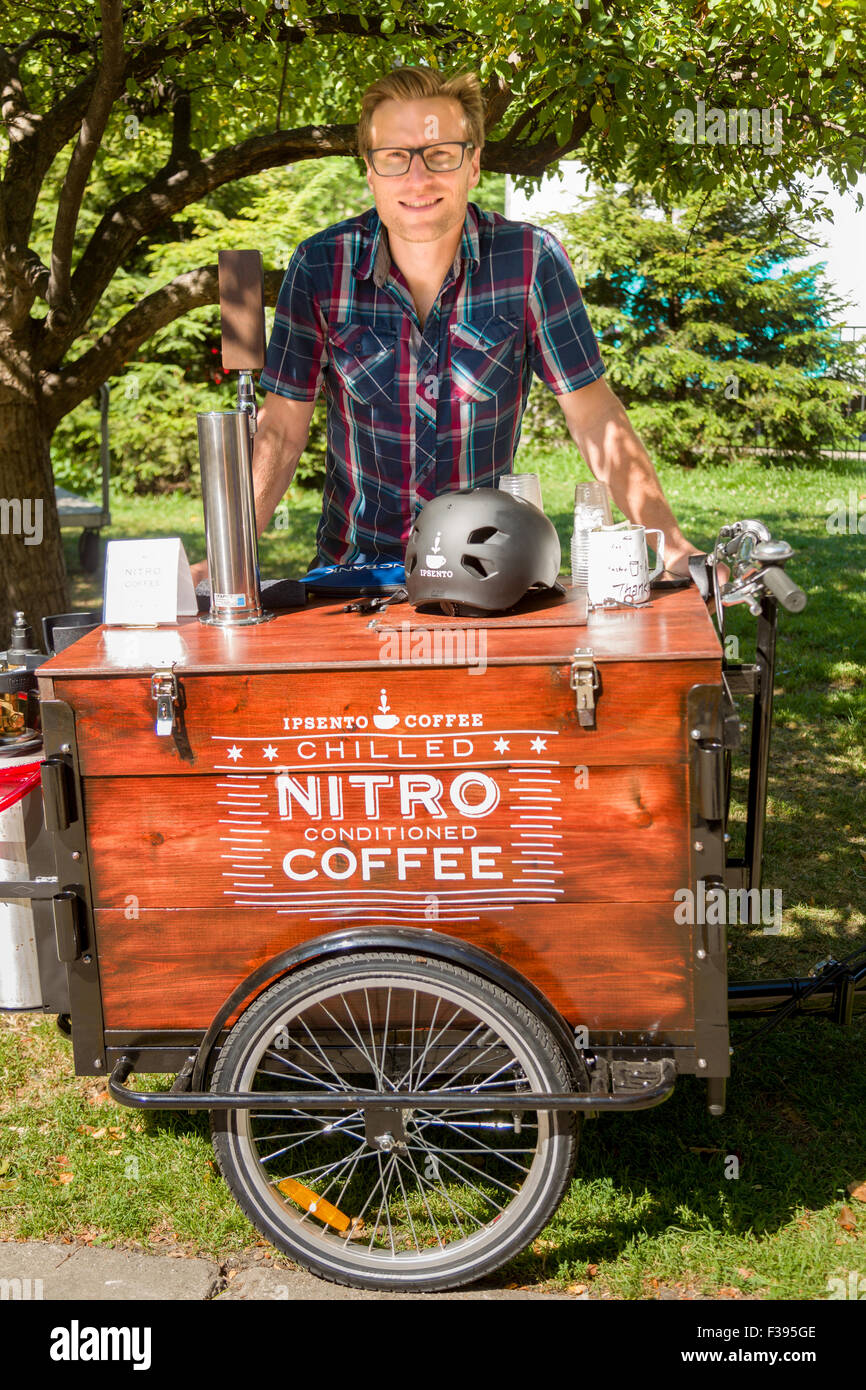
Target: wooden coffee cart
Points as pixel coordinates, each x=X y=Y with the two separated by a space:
x=379 y=886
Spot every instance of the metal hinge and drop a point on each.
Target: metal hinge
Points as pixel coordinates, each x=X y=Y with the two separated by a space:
x=584 y=681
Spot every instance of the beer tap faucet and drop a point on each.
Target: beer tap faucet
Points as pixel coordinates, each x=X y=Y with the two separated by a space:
x=247 y=398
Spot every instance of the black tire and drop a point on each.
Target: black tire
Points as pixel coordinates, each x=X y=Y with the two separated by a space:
x=506 y=1046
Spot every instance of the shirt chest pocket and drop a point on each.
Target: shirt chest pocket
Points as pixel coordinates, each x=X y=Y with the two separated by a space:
x=364 y=359
x=482 y=358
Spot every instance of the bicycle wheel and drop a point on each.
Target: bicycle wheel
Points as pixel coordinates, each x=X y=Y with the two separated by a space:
x=442 y=1197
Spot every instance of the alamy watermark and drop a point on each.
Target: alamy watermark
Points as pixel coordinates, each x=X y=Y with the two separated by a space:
x=854 y=1287
x=717 y=906
x=22 y=516
x=77 y=1343
x=409 y=645
x=847 y=516
x=729 y=126
x=21 y=1290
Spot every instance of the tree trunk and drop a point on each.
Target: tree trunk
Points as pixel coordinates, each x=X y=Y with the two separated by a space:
x=32 y=568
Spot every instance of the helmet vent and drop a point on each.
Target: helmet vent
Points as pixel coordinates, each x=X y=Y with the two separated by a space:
x=481 y=534
x=472 y=562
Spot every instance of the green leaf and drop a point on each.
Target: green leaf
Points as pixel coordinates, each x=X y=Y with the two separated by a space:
x=562 y=129
x=598 y=115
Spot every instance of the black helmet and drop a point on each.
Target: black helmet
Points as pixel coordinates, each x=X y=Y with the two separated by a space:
x=482 y=548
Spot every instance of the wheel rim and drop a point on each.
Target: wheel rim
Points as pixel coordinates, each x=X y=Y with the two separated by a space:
x=453 y=1185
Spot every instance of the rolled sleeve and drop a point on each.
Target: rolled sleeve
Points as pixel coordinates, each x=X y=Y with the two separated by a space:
x=298 y=348
x=563 y=348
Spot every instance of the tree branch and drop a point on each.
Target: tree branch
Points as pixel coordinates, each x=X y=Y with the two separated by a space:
x=181 y=128
x=140 y=213
x=105 y=92
x=63 y=390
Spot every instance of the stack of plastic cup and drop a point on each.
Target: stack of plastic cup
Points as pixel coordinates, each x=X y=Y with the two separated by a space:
x=591 y=509
x=525 y=485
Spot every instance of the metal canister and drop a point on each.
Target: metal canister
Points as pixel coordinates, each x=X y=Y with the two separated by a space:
x=230 y=518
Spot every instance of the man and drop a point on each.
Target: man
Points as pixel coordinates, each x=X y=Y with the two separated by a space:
x=424 y=319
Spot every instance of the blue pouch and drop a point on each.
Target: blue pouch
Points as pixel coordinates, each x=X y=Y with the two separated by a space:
x=369 y=577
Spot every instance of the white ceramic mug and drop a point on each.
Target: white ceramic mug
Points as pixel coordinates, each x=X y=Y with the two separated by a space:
x=619 y=569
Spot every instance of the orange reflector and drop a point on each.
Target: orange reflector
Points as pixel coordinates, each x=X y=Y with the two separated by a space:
x=314 y=1204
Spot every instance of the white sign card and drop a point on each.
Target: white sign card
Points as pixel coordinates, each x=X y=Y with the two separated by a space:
x=147 y=582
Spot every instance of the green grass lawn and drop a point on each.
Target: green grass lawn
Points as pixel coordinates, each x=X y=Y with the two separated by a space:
x=650 y=1208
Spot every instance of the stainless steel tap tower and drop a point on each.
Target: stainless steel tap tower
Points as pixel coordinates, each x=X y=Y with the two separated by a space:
x=225 y=451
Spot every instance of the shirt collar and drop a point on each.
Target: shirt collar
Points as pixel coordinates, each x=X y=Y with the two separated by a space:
x=374 y=257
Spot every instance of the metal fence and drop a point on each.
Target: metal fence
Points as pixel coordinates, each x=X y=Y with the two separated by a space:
x=854 y=333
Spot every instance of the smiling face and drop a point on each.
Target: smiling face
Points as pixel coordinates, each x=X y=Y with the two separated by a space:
x=420 y=205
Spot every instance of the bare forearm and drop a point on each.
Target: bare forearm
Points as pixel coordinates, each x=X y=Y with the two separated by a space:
x=274 y=466
x=616 y=456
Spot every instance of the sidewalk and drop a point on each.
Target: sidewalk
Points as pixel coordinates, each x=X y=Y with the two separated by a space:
x=76 y=1272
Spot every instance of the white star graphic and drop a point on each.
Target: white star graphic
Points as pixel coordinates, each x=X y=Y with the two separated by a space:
x=235 y=752
x=270 y=752
x=538 y=744
x=502 y=745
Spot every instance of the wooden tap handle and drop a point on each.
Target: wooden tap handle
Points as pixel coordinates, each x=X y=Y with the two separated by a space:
x=242 y=310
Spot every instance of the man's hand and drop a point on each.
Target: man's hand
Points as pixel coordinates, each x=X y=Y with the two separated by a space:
x=603 y=433
x=679 y=564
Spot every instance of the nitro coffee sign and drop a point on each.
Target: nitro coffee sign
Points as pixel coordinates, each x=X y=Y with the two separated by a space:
x=406 y=815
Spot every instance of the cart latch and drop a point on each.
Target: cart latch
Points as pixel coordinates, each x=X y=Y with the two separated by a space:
x=584 y=681
x=165 y=689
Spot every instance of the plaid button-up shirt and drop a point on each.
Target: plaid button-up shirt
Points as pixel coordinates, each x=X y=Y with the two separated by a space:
x=412 y=412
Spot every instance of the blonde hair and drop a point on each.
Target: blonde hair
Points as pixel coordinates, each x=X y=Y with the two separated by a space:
x=408 y=84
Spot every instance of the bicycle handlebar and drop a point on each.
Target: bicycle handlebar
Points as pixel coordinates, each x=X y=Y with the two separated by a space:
x=782 y=586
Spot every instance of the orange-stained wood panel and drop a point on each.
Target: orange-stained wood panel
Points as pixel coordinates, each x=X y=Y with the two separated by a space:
x=675 y=626
x=640 y=715
x=607 y=966
x=463 y=836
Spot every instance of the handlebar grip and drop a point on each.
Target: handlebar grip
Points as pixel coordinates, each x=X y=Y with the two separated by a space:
x=789 y=594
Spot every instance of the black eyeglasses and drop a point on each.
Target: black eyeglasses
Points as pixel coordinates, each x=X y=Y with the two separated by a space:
x=390 y=161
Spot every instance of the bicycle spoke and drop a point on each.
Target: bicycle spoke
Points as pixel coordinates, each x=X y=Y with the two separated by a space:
x=452 y=1202
x=505 y=1156
x=381 y=1183
x=464 y=1042
x=512 y=1061
x=376 y=1072
x=385 y=1033
x=439 y=1157
x=326 y=1060
x=307 y=1075
x=414 y=1083
x=423 y=1196
x=348 y=1036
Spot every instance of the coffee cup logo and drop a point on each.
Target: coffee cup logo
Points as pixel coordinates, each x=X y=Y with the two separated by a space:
x=435 y=560
x=384 y=720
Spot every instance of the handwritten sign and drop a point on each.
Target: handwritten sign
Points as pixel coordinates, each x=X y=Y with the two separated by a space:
x=147 y=582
